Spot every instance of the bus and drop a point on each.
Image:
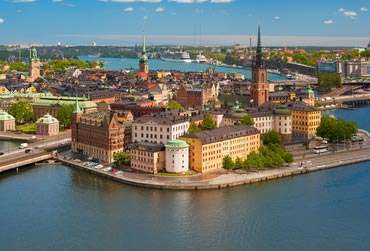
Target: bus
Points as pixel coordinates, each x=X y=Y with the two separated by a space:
x=320 y=149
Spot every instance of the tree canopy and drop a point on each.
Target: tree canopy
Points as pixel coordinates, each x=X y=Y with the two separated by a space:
x=174 y=105
x=64 y=115
x=247 y=120
x=328 y=81
x=207 y=122
x=271 y=137
x=21 y=111
x=122 y=158
x=193 y=128
x=333 y=129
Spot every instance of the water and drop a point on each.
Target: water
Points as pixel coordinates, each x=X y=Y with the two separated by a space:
x=59 y=208
x=158 y=64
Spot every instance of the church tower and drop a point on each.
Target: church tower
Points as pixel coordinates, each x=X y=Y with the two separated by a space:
x=34 y=65
x=143 y=62
x=259 y=91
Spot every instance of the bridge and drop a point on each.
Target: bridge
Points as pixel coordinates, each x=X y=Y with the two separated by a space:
x=16 y=160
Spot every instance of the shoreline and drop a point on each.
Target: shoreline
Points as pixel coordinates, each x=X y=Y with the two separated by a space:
x=224 y=179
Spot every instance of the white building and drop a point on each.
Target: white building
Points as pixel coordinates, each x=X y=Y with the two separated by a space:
x=177 y=156
x=159 y=128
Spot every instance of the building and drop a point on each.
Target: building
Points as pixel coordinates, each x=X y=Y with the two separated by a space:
x=144 y=62
x=99 y=135
x=259 y=91
x=7 y=122
x=196 y=96
x=147 y=157
x=177 y=156
x=208 y=148
x=47 y=126
x=305 y=120
x=34 y=67
x=159 y=127
x=52 y=105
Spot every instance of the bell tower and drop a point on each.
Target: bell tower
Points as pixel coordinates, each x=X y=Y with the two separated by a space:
x=259 y=91
x=34 y=66
x=144 y=62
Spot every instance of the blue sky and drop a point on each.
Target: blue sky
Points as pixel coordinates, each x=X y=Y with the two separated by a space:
x=185 y=22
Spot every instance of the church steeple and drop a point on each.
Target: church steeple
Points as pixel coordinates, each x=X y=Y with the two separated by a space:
x=259 y=50
x=143 y=62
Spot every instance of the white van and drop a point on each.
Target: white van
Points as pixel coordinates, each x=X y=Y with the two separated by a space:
x=23 y=145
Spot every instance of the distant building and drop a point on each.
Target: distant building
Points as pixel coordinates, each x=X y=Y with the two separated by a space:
x=47 y=126
x=208 y=148
x=7 y=122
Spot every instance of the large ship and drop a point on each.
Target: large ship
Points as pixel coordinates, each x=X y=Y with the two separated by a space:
x=176 y=56
x=201 y=59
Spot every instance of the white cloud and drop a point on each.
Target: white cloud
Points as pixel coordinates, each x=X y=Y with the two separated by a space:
x=146 y=17
x=19 y=10
x=103 y=1
x=364 y=9
x=132 y=1
x=128 y=9
x=23 y=1
x=277 y=18
x=57 y=1
x=328 y=21
x=341 y=10
x=181 y=1
x=221 y=1
x=159 y=9
x=2 y=20
x=350 y=14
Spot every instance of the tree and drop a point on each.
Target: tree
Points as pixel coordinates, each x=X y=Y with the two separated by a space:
x=174 y=105
x=122 y=158
x=207 y=122
x=328 y=81
x=239 y=163
x=333 y=129
x=247 y=120
x=271 y=137
x=21 y=111
x=64 y=115
x=227 y=162
x=193 y=128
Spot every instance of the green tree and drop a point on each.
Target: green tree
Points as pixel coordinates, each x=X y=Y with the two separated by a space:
x=18 y=66
x=174 y=105
x=207 y=122
x=227 y=162
x=122 y=158
x=334 y=129
x=21 y=111
x=328 y=81
x=271 y=137
x=193 y=128
x=239 y=163
x=64 y=115
x=247 y=120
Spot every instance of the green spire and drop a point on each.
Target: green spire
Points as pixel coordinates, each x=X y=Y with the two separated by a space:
x=143 y=57
x=33 y=54
x=76 y=108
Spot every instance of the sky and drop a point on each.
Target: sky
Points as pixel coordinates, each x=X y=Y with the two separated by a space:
x=186 y=22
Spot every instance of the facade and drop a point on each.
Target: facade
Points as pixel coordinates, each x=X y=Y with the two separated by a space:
x=147 y=157
x=305 y=120
x=7 y=122
x=52 y=105
x=259 y=91
x=177 y=156
x=191 y=96
x=283 y=122
x=99 y=135
x=47 y=126
x=208 y=148
x=159 y=128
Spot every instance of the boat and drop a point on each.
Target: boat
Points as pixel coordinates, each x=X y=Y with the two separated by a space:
x=176 y=56
x=201 y=59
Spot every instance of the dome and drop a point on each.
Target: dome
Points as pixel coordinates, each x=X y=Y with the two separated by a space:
x=238 y=114
x=282 y=110
x=47 y=119
x=176 y=143
x=5 y=116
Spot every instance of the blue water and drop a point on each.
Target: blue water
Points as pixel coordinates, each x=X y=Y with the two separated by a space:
x=158 y=64
x=59 y=208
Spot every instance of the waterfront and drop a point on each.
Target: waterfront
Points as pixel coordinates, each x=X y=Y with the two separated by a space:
x=158 y=64
x=60 y=208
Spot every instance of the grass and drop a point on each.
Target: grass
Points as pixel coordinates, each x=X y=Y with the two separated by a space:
x=27 y=128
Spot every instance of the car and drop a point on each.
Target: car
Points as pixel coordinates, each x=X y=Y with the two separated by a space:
x=77 y=160
x=324 y=141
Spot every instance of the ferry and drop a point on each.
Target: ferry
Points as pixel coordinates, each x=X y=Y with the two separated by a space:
x=176 y=56
x=201 y=59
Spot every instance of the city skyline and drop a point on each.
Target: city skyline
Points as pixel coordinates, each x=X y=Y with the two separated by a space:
x=185 y=22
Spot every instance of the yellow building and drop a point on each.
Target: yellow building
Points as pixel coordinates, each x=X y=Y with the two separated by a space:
x=305 y=120
x=209 y=147
x=147 y=157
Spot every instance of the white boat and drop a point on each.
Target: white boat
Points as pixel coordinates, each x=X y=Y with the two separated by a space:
x=201 y=59
x=176 y=56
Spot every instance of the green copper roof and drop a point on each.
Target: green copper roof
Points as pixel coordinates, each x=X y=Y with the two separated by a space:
x=144 y=57
x=238 y=114
x=4 y=116
x=47 y=119
x=76 y=108
x=282 y=110
x=176 y=143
